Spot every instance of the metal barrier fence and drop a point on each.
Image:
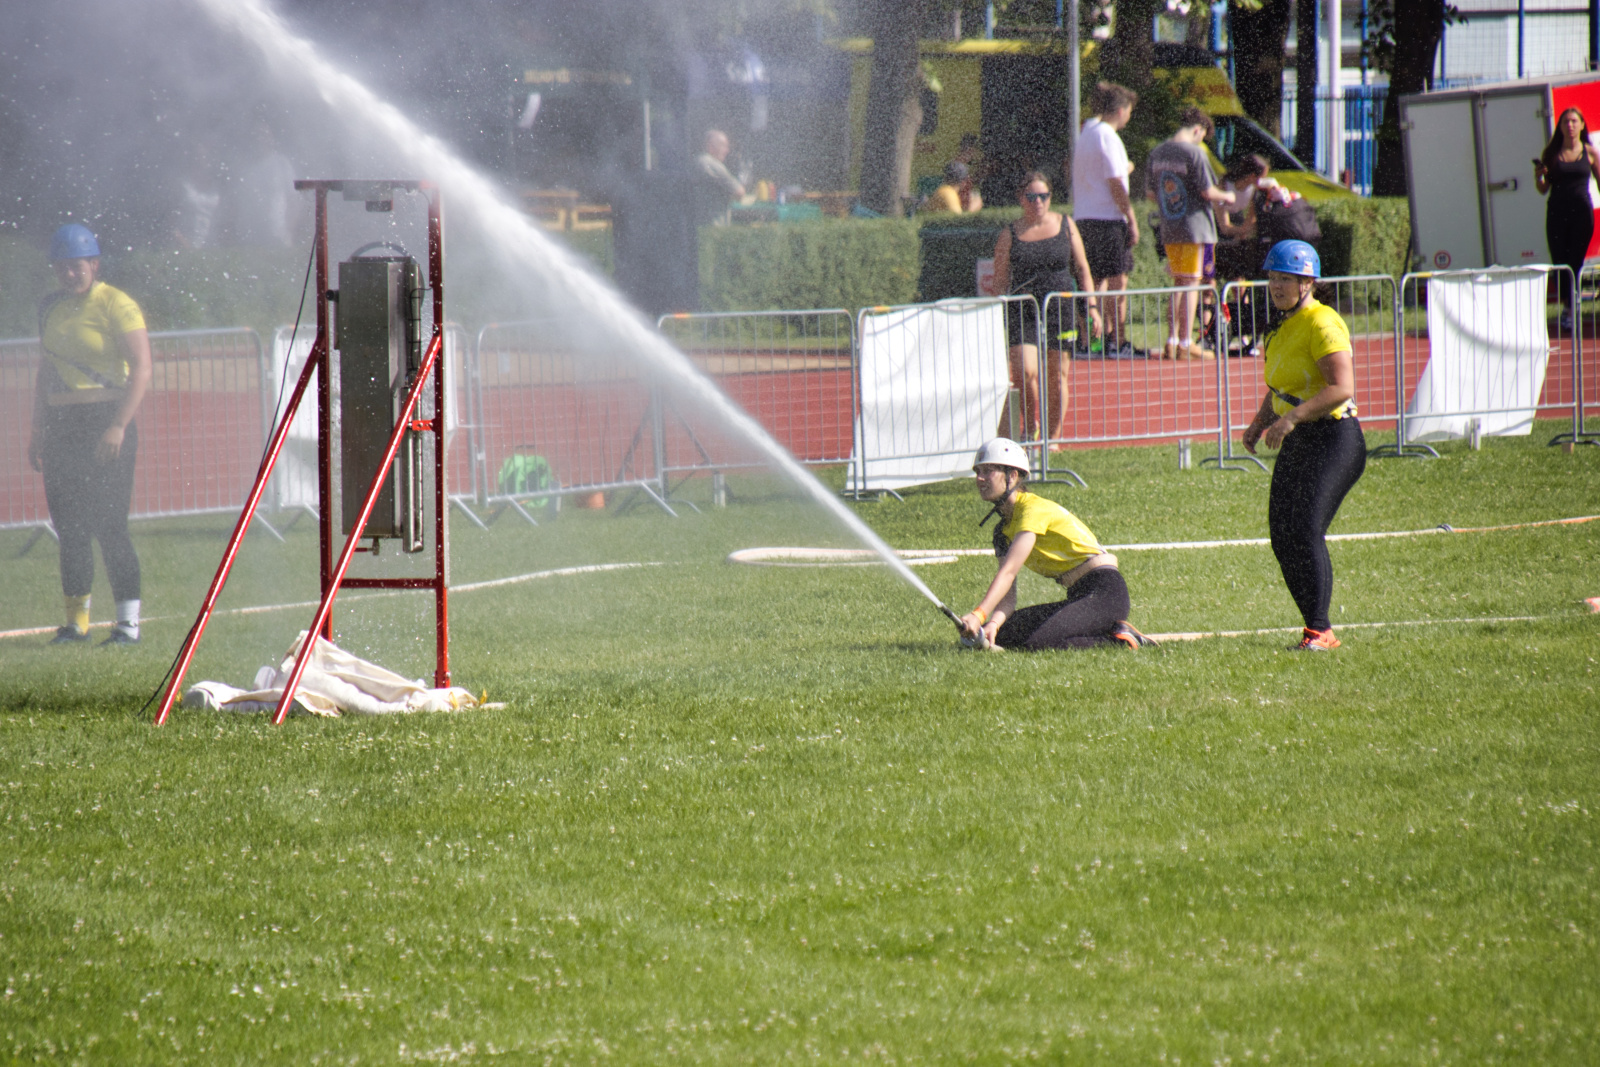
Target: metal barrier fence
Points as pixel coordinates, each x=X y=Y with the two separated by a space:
x=1124 y=381
x=1587 y=326
x=1479 y=349
x=890 y=391
x=202 y=426
x=1366 y=302
x=588 y=417
x=793 y=372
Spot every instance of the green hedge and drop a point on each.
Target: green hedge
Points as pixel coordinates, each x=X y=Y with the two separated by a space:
x=843 y=263
x=951 y=247
x=1365 y=235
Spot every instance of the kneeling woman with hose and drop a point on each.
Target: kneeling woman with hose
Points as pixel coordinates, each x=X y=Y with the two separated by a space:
x=1049 y=540
x=1310 y=413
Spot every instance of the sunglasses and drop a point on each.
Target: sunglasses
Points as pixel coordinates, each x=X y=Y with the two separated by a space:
x=1036 y=197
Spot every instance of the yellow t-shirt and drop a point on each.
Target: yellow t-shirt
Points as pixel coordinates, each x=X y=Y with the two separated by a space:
x=1063 y=541
x=944 y=198
x=1316 y=330
x=80 y=337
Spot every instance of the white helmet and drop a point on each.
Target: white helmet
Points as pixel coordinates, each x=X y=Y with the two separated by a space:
x=1002 y=452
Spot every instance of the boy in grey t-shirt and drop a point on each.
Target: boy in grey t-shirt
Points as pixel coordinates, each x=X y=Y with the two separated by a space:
x=1183 y=186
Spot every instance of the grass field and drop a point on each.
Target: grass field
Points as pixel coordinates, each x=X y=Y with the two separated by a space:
x=747 y=815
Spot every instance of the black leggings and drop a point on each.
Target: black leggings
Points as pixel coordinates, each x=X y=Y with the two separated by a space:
x=1094 y=605
x=1568 y=226
x=89 y=500
x=1319 y=463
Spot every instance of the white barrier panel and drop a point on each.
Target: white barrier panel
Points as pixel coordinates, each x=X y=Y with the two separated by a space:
x=933 y=387
x=1586 y=400
x=1489 y=347
x=294 y=476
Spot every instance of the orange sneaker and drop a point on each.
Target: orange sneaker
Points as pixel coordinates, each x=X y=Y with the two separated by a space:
x=1127 y=635
x=1315 y=641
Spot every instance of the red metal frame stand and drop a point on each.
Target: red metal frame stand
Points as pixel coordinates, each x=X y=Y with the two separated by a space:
x=333 y=571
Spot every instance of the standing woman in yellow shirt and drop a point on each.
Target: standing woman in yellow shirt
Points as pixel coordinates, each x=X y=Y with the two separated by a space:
x=93 y=375
x=1051 y=541
x=1310 y=413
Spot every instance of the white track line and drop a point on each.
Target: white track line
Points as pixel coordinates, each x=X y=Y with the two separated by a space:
x=1379 y=535
x=838 y=557
x=261 y=609
x=845 y=557
x=1355 y=626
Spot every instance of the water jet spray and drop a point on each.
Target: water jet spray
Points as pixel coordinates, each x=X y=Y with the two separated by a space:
x=551 y=269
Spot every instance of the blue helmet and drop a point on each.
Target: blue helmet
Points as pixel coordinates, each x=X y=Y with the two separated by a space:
x=73 y=241
x=1294 y=257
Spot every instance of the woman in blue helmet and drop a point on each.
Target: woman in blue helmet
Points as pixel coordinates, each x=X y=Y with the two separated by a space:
x=93 y=375
x=1309 y=412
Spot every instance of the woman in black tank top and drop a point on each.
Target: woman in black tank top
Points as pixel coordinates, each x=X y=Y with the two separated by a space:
x=1035 y=256
x=1563 y=171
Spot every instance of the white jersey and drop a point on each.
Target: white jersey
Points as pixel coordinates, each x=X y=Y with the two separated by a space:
x=1100 y=158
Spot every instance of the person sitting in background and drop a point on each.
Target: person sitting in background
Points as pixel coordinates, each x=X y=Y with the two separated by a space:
x=969 y=153
x=1272 y=212
x=957 y=194
x=715 y=187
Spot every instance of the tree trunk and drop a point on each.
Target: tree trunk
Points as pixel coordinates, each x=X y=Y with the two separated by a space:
x=894 y=107
x=1131 y=52
x=1418 y=26
x=1305 y=82
x=1259 y=38
x=1197 y=33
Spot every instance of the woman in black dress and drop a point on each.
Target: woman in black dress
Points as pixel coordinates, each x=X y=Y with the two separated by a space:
x=1563 y=171
x=1037 y=255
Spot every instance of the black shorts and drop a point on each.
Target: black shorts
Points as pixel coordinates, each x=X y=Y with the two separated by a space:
x=1066 y=322
x=1105 y=244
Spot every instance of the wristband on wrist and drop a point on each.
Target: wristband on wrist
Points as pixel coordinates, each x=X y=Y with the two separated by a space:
x=982 y=615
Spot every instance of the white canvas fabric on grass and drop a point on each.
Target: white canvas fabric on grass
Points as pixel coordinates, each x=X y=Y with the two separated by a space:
x=1488 y=347
x=334 y=683
x=933 y=386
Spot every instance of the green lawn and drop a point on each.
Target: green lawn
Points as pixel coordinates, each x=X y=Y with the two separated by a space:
x=746 y=815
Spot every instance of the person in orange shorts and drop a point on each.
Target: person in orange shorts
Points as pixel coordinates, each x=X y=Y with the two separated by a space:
x=1183 y=185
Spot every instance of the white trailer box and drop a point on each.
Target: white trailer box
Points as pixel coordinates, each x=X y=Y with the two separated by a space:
x=1469 y=161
